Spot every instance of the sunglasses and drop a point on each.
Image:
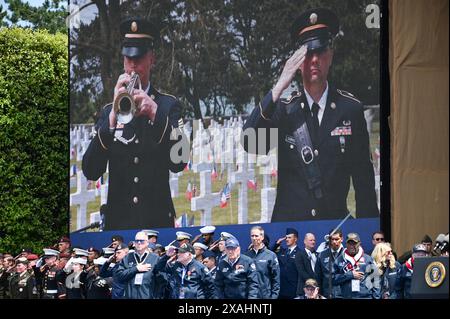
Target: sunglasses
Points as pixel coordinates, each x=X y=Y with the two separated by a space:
x=379 y=239
x=140 y=241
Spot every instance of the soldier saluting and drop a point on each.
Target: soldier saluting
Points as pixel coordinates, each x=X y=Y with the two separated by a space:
x=22 y=284
x=322 y=135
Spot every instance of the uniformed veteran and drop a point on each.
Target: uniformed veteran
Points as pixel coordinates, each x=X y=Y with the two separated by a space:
x=322 y=135
x=22 y=284
x=189 y=278
x=136 y=270
x=236 y=276
x=137 y=144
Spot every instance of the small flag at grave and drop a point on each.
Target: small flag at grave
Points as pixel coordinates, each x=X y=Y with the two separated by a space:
x=252 y=184
x=181 y=221
x=274 y=172
x=214 y=174
x=226 y=195
x=189 y=191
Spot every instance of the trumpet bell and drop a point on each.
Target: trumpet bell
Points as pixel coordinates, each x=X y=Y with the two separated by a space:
x=124 y=107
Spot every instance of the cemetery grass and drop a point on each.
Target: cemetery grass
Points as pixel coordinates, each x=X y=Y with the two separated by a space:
x=220 y=216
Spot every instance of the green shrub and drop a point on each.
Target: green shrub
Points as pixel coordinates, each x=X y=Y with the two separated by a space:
x=34 y=144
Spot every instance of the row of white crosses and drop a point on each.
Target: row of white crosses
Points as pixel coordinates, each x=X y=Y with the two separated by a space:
x=224 y=143
x=219 y=144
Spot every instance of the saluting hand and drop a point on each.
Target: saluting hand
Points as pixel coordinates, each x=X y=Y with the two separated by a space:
x=290 y=69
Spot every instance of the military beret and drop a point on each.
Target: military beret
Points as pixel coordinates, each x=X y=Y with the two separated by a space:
x=186 y=248
x=31 y=257
x=117 y=238
x=316 y=28
x=93 y=250
x=64 y=239
x=139 y=36
x=208 y=254
x=207 y=230
x=200 y=245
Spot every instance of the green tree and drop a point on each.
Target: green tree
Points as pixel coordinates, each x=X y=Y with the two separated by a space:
x=50 y=15
x=33 y=138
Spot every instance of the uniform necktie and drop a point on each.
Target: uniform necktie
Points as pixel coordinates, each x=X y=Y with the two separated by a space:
x=315 y=118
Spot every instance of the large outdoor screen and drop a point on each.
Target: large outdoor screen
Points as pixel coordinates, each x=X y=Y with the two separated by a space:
x=223 y=133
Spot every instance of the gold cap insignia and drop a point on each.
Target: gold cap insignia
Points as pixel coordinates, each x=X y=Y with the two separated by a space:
x=134 y=26
x=313 y=18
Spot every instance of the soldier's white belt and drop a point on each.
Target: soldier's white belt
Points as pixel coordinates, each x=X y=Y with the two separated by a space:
x=53 y=291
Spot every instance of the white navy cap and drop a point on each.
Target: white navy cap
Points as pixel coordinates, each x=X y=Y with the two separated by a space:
x=151 y=232
x=100 y=261
x=108 y=251
x=183 y=235
x=81 y=252
x=200 y=245
x=79 y=260
x=48 y=252
x=207 y=229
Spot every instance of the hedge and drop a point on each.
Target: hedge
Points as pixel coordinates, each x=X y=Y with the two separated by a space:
x=34 y=143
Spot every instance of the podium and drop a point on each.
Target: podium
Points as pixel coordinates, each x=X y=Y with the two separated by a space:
x=430 y=278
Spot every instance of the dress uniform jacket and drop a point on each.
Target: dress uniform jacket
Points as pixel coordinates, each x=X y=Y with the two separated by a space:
x=324 y=259
x=192 y=281
x=139 y=193
x=23 y=286
x=341 y=151
x=268 y=269
x=288 y=272
x=305 y=270
x=237 y=281
x=52 y=282
x=369 y=287
x=127 y=271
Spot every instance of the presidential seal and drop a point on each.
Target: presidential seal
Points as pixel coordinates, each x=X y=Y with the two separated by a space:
x=435 y=274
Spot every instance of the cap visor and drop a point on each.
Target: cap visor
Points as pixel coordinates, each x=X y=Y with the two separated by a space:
x=133 y=52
